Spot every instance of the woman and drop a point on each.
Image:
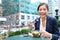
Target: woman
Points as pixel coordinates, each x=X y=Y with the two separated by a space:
x=47 y=25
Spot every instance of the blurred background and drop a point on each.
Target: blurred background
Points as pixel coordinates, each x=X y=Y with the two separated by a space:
x=18 y=13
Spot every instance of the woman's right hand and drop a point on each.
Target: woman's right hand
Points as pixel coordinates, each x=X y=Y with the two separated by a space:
x=31 y=25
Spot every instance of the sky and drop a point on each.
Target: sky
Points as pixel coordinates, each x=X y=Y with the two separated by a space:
x=0 y=1
x=33 y=1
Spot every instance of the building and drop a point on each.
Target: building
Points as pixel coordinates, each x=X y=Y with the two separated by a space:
x=10 y=6
x=50 y=7
x=24 y=6
x=2 y=19
x=1 y=8
x=53 y=6
x=59 y=8
x=27 y=11
x=11 y=9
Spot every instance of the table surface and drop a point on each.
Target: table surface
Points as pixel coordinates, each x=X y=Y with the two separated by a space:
x=20 y=37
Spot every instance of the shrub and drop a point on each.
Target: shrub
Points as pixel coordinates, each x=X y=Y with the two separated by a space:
x=58 y=23
x=24 y=31
x=17 y=32
x=4 y=34
x=11 y=33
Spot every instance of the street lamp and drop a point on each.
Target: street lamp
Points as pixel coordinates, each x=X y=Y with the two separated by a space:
x=56 y=14
x=10 y=25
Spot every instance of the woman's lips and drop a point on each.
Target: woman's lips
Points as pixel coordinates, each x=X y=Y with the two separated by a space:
x=43 y=14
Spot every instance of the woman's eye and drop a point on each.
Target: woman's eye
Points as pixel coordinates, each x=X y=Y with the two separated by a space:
x=44 y=9
x=40 y=9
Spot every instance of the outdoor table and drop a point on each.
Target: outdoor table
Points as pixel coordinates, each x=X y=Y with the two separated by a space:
x=24 y=37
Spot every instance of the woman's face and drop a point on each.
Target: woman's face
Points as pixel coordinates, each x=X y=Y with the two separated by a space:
x=43 y=10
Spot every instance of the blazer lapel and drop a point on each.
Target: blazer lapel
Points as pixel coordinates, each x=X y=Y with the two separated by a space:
x=39 y=23
x=47 y=23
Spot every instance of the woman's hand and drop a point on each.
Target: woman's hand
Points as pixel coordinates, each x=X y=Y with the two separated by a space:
x=46 y=34
x=31 y=25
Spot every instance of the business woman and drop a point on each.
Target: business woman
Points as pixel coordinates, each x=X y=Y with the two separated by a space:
x=46 y=24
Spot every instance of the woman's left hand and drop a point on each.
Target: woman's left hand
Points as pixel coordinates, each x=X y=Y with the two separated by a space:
x=46 y=34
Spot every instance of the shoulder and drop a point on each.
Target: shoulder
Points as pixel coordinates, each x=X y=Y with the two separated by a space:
x=37 y=19
x=52 y=18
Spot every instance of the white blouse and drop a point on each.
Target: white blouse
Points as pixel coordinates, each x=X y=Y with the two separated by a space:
x=41 y=26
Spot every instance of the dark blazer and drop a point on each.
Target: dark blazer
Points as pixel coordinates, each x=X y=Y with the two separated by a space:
x=51 y=27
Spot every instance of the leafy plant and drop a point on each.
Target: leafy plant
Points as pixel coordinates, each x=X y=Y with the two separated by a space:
x=17 y=32
x=24 y=31
x=4 y=34
x=11 y=33
x=58 y=23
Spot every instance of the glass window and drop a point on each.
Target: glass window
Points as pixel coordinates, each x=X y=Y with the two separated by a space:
x=28 y=17
x=32 y=17
x=22 y=5
x=1 y=22
x=22 y=17
x=22 y=11
x=17 y=23
x=17 y=17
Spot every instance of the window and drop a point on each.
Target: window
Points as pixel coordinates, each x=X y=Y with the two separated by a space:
x=17 y=17
x=22 y=11
x=17 y=23
x=22 y=5
x=1 y=22
x=27 y=7
x=28 y=17
x=22 y=17
x=32 y=17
